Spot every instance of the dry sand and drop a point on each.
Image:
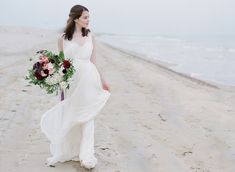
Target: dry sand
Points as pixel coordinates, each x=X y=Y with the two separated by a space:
x=155 y=121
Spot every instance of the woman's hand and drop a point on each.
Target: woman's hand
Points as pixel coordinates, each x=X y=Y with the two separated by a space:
x=105 y=86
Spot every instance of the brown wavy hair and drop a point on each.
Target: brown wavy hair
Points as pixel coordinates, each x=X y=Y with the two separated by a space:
x=75 y=13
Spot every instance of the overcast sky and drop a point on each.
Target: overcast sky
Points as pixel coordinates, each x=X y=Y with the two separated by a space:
x=127 y=16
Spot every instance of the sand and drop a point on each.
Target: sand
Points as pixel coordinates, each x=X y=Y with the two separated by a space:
x=155 y=121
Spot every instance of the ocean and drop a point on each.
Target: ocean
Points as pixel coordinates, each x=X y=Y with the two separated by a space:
x=205 y=57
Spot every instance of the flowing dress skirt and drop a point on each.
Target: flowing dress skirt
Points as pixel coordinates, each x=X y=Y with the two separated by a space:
x=69 y=125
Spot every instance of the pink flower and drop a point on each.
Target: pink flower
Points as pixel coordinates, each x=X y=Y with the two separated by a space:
x=49 y=67
x=43 y=59
x=45 y=65
x=51 y=70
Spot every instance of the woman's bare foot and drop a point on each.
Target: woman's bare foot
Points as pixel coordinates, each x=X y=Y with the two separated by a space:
x=88 y=163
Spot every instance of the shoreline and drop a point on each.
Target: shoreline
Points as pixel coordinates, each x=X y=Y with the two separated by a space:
x=163 y=65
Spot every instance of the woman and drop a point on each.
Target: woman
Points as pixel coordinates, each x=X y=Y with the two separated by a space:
x=69 y=125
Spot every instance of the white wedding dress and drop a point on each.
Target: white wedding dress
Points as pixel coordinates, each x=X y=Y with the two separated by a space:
x=69 y=125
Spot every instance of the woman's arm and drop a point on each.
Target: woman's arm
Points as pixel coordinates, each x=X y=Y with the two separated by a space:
x=60 y=44
x=93 y=60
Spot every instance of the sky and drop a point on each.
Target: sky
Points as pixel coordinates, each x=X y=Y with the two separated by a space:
x=127 y=16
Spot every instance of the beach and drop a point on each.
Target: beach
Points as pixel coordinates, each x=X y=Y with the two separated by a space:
x=155 y=120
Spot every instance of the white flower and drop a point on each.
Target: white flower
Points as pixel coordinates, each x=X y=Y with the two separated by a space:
x=54 y=79
x=50 y=65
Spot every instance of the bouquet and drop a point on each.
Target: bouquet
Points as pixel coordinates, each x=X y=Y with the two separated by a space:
x=51 y=71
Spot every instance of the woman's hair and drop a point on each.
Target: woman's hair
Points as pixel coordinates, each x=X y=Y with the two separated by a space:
x=75 y=13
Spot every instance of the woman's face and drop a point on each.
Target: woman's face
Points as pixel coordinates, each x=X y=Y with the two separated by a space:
x=83 y=20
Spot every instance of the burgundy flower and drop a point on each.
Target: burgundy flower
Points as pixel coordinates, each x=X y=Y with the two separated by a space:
x=37 y=65
x=38 y=76
x=66 y=64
